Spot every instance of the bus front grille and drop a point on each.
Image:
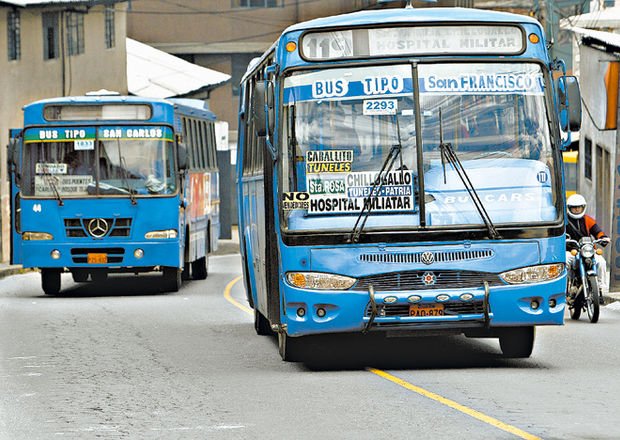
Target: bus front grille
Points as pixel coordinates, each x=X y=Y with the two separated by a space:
x=426 y=279
x=451 y=308
x=80 y=255
x=426 y=257
x=78 y=227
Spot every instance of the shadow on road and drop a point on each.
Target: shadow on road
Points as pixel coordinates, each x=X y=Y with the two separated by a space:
x=355 y=352
x=115 y=285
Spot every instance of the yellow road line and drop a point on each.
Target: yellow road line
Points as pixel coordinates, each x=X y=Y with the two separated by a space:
x=457 y=406
x=421 y=391
x=233 y=301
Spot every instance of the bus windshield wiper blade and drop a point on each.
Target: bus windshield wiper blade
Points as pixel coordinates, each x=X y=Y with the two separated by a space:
x=123 y=163
x=447 y=153
x=395 y=152
x=50 y=180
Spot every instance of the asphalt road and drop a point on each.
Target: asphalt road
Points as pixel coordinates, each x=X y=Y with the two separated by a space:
x=121 y=360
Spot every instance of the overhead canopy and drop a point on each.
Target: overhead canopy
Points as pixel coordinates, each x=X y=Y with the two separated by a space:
x=607 y=38
x=156 y=74
x=601 y=19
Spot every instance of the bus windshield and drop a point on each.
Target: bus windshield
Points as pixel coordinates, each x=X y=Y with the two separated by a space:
x=342 y=125
x=118 y=162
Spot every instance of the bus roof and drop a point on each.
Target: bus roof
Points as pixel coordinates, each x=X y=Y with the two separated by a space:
x=420 y=15
x=189 y=107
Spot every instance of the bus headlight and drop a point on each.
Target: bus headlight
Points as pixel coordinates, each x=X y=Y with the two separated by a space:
x=37 y=236
x=533 y=274
x=319 y=281
x=168 y=233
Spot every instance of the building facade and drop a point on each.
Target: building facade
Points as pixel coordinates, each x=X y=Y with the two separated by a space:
x=50 y=49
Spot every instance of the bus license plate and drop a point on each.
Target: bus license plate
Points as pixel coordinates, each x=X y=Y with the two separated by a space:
x=97 y=258
x=426 y=310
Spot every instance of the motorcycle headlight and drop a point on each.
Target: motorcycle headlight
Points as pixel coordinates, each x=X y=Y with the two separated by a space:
x=533 y=274
x=587 y=251
x=319 y=281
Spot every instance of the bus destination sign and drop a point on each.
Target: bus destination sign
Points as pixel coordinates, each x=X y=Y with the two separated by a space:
x=414 y=40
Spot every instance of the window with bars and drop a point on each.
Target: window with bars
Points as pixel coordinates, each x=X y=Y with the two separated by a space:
x=256 y=3
x=109 y=27
x=13 y=37
x=75 y=33
x=50 y=35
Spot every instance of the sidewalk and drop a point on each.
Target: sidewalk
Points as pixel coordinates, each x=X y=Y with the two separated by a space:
x=11 y=269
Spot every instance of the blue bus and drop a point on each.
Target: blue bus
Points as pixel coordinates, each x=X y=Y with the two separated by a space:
x=114 y=184
x=400 y=171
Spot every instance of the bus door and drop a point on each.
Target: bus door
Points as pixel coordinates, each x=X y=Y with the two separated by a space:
x=14 y=153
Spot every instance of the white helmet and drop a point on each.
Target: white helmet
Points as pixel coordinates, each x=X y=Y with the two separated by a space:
x=576 y=206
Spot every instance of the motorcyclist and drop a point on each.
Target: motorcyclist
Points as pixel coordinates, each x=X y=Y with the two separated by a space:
x=580 y=225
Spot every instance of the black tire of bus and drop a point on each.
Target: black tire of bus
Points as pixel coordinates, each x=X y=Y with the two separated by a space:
x=592 y=305
x=291 y=349
x=200 y=267
x=50 y=281
x=79 y=276
x=517 y=342
x=172 y=279
x=261 y=324
x=185 y=275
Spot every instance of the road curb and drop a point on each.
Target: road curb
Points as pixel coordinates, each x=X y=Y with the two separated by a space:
x=13 y=269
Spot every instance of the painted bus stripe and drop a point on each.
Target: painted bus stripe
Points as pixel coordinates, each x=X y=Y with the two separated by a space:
x=232 y=300
x=457 y=406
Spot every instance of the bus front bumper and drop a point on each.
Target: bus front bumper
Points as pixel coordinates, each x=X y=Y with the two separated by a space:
x=312 y=312
x=102 y=255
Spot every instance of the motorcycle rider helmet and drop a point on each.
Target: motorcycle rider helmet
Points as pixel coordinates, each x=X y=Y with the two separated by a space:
x=576 y=206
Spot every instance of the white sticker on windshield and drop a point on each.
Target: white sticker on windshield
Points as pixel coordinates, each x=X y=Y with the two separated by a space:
x=380 y=107
x=84 y=144
x=50 y=168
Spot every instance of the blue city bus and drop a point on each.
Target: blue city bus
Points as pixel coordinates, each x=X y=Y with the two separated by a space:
x=400 y=171
x=114 y=184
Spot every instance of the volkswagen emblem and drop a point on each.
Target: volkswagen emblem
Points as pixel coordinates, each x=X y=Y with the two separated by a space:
x=98 y=227
x=428 y=258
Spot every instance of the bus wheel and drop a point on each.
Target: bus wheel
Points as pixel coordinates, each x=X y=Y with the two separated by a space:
x=261 y=324
x=79 y=276
x=185 y=274
x=291 y=349
x=99 y=276
x=172 y=279
x=200 y=268
x=50 y=281
x=517 y=342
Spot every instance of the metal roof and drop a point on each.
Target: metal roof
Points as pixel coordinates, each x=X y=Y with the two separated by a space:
x=606 y=38
x=157 y=74
x=604 y=18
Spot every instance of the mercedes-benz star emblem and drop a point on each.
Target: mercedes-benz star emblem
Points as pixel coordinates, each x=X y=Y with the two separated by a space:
x=98 y=227
x=428 y=258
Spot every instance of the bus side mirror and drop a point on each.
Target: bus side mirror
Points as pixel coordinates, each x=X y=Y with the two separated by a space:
x=13 y=160
x=263 y=109
x=182 y=156
x=569 y=99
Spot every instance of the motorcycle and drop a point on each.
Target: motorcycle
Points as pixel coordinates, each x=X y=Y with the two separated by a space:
x=582 y=289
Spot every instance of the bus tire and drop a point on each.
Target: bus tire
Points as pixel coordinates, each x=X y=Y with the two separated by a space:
x=291 y=349
x=185 y=275
x=200 y=269
x=79 y=276
x=50 y=281
x=261 y=324
x=517 y=342
x=172 y=279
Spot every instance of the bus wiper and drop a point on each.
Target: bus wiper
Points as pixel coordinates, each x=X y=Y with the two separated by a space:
x=448 y=154
x=395 y=152
x=50 y=180
x=123 y=163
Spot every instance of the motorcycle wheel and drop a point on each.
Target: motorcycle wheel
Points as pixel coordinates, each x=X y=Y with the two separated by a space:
x=592 y=299
x=575 y=310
